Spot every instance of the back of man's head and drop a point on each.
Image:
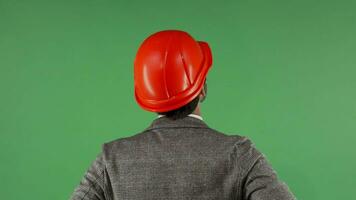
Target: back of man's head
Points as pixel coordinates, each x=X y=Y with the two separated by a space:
x=170 y=73
x=187 y=109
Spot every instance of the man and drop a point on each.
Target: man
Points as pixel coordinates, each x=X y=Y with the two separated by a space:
x=178 y=156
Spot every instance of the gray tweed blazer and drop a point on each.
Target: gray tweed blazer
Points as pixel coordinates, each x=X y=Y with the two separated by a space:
x=180 y=159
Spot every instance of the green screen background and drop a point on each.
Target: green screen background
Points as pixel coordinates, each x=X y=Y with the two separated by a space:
x=283 y=74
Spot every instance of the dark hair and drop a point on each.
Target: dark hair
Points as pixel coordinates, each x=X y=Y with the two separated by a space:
x=182 y=111
x=187 y=108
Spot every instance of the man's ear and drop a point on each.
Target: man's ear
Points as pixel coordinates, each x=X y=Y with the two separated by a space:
x=201 y=96
x=203 y=93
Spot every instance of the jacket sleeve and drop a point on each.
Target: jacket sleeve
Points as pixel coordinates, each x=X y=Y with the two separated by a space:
x=94 y=184
x=262 y=183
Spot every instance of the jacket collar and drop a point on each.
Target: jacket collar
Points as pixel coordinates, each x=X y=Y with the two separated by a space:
x=191 y=115
x=186 y=122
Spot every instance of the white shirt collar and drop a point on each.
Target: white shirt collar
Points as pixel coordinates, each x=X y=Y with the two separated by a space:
x=190 y=115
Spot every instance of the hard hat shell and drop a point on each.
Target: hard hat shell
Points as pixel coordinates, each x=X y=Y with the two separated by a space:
x=170 y=68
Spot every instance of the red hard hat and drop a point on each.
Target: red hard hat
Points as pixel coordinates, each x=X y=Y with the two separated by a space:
x=170 y=70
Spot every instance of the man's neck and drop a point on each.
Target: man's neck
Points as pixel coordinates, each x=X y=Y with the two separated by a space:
x=197 y=111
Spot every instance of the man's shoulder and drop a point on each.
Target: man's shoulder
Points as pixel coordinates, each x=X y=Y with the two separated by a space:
x=140 y=137
x=239 y=145
x=122 y=144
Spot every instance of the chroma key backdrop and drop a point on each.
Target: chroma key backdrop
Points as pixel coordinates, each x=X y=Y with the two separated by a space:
x=283 y=74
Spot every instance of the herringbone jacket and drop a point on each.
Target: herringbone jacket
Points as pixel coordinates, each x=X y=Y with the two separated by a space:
x=180 y=159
